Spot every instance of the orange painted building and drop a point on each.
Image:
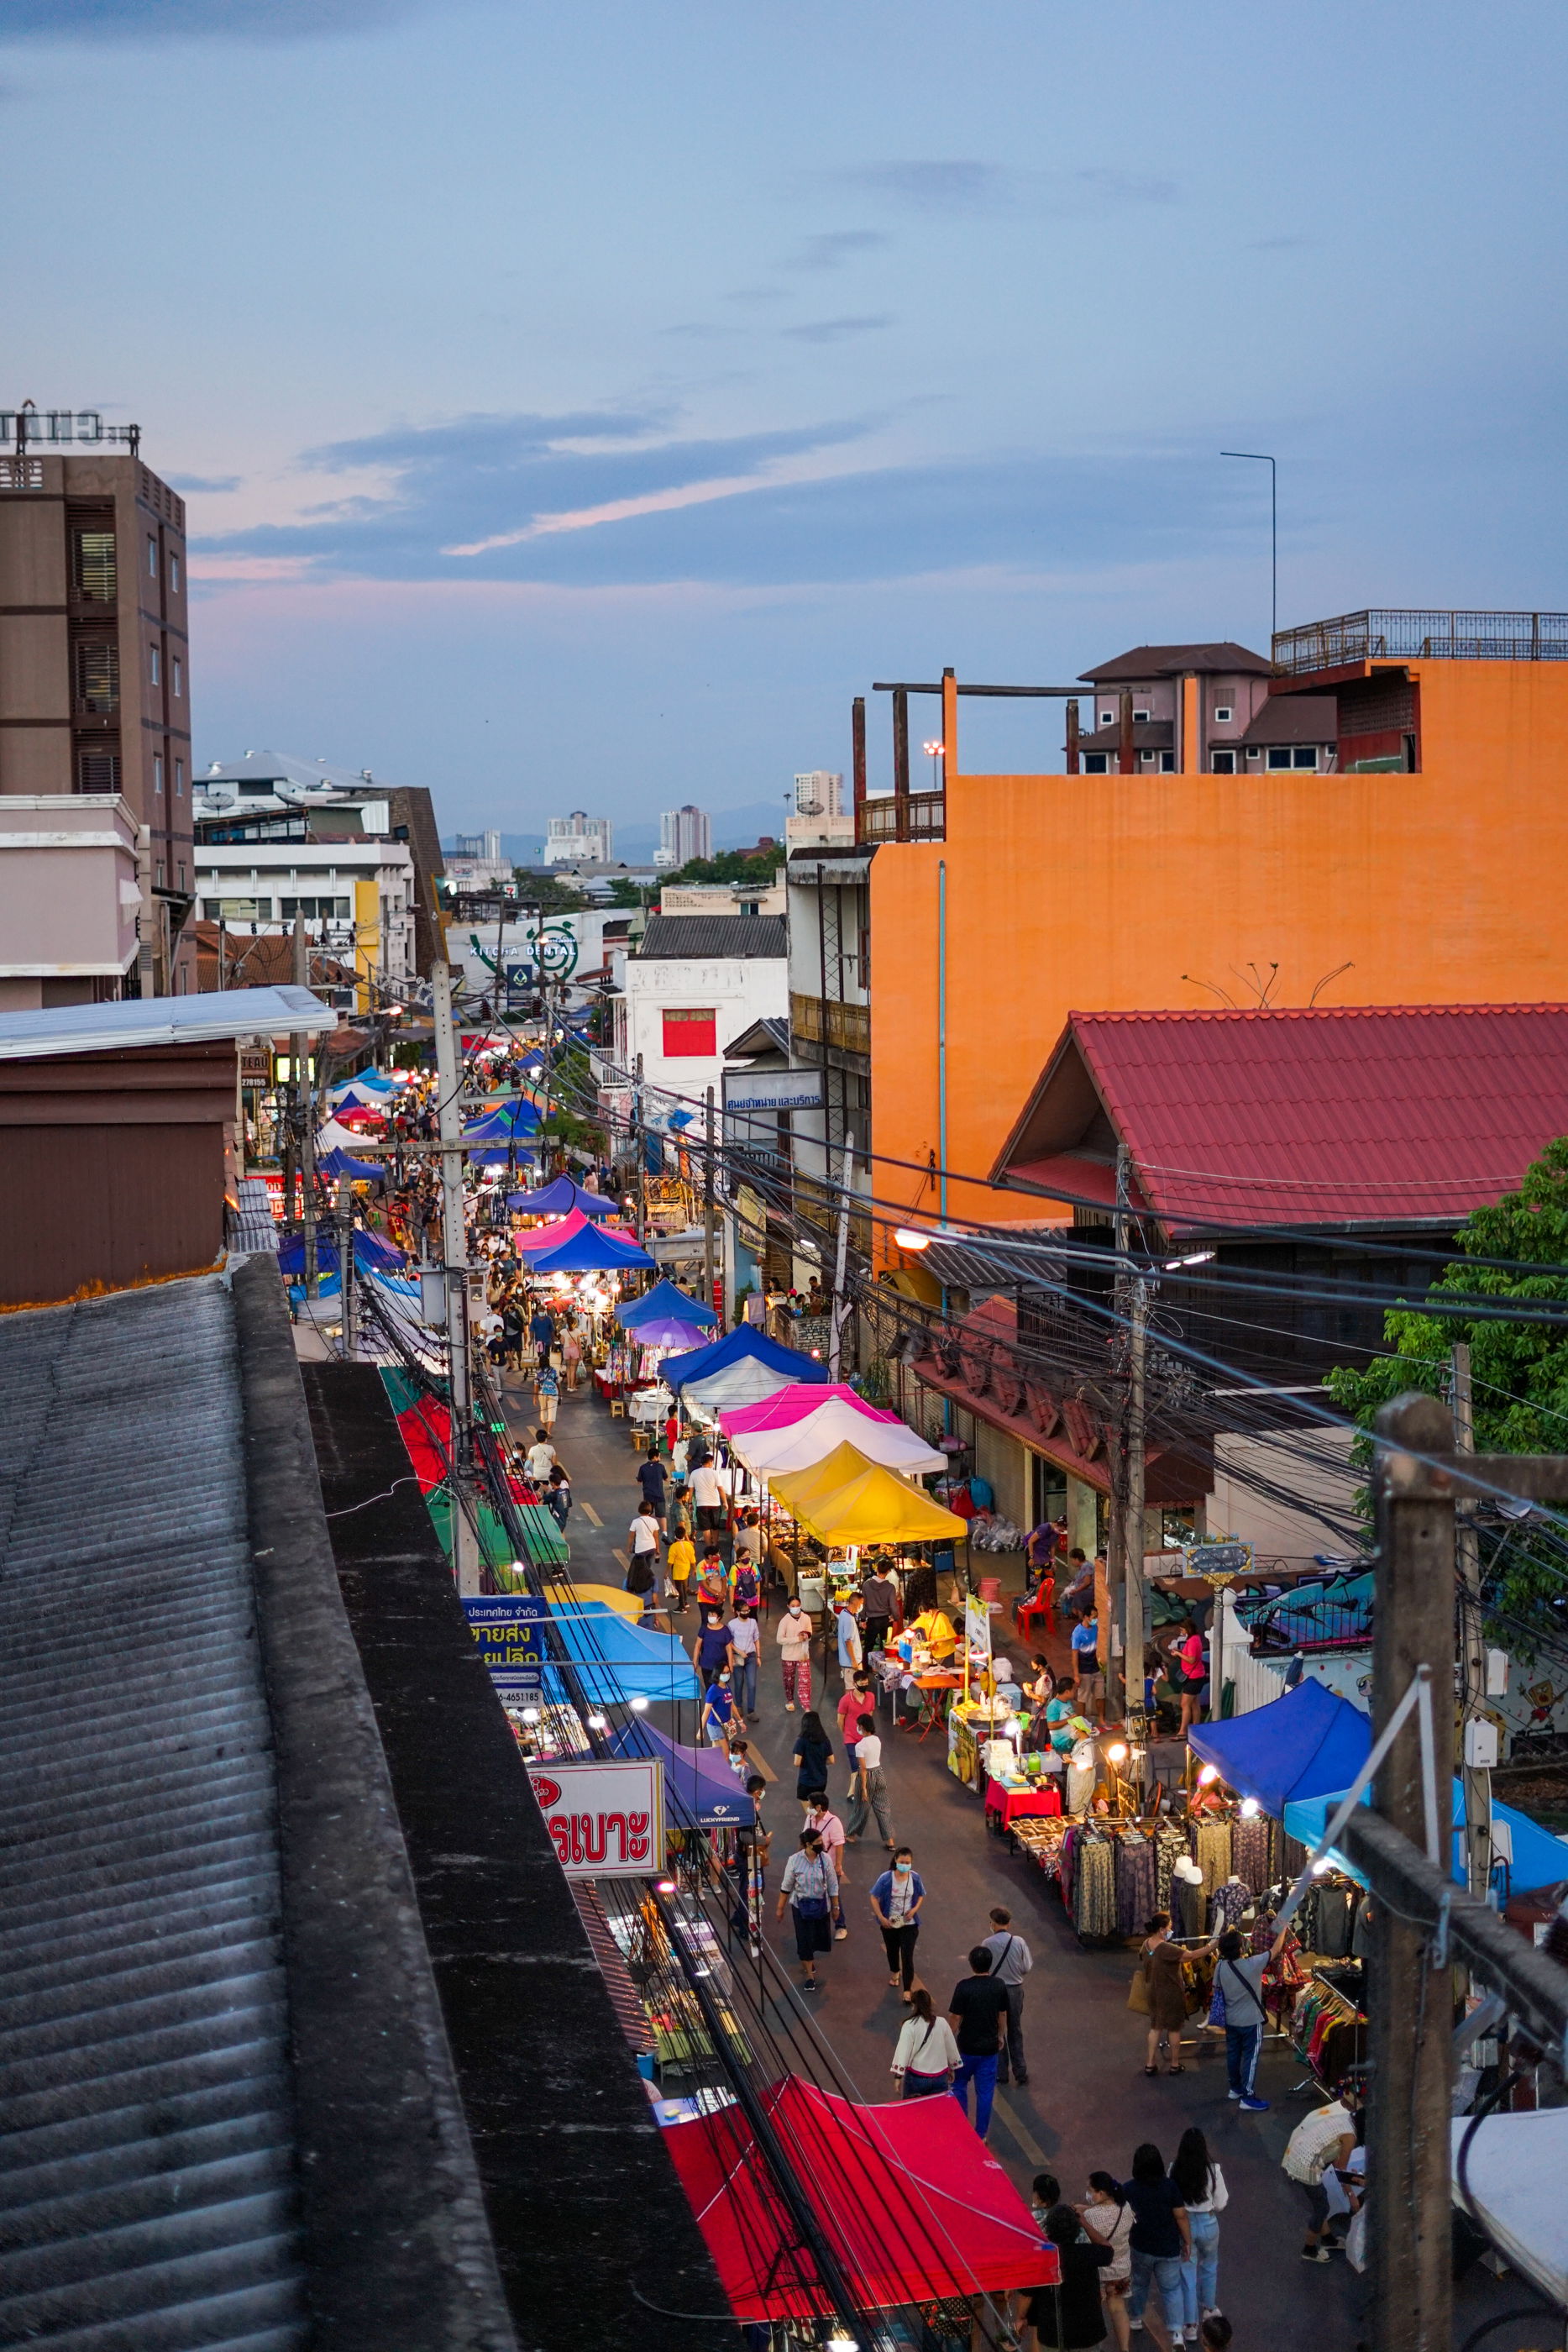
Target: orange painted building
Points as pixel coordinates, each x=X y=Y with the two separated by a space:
x=1051 y=894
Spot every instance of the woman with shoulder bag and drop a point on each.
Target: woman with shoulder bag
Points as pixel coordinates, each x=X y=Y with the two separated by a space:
x=1108 y=2219
x=1204 y=2195
x=1162 y=1972
x=926 y=2052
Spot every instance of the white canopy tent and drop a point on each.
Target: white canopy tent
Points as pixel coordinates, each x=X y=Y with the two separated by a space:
x=1517 y=2166
x=802 y=1443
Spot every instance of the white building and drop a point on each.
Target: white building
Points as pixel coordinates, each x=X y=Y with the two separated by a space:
x=724 y=898
x=696 y=984
x=683 y=833
x=476 y=861
x=819 y=793
x=578 y=839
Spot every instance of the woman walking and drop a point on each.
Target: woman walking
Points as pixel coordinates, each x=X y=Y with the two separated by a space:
x=1070 y=2316
x=896 y=1900
x=813 y=1754
x=1159 y=2243
x=926 y=2052
x=809 y=1889
x=1204 y=2195
x=1160 y=1964
x=1108 y=2217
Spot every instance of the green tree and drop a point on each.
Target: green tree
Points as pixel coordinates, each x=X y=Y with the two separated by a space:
x=624 y=892
x=732 y=865
x=552 y=894
x=1519 y=1371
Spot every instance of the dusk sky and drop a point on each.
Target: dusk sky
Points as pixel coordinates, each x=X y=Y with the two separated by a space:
x=578 y=405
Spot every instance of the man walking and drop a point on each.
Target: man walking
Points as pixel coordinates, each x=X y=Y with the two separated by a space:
x=1086 y=1663
x=1012 y=1961
x=851 y=1657
x=745 y=1635
x=651 y=1478
x=794 y=1640
x=1238 y=1979
x=707 y=1495
x=975 y=2014
x=869 y=1791
x=880 y=1595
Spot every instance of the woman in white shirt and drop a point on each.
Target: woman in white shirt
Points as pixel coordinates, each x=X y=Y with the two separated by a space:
x=1204 y=2195
x=1108 y=2218
x=926 y=2054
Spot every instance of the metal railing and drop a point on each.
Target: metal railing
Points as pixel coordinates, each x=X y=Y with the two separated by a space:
x=821 y=1020
x=925 y=819
x=1415 y=636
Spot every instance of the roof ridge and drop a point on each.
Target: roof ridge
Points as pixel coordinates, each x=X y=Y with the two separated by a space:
x=1313 y=1011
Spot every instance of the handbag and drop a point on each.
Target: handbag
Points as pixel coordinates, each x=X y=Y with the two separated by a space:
x=812 y=1906
x=1138 y=1990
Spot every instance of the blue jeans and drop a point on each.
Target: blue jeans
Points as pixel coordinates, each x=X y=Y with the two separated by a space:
x=746 y=1682
x=982 y=2073
x=1163 y=2272
x=922 y=2086
x=1241 y=2045
x=1199 y=2277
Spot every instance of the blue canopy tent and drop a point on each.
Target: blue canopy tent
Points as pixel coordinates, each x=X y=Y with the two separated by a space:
x=698 y=1783
x=338 y=1162
x=615 y=1661
x=1302 y=1745
x=735 y=1348
x=559 y=1198
x=589 y=1252
x=1538 y=1859
x=371 y=1254
x=355 y=1097
x=664 y=1331
x=502 y=1124
x=665 y=1299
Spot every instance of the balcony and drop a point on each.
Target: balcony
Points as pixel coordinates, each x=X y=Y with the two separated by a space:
x=906 y=816
x=820 y=1021
x=1414 y=636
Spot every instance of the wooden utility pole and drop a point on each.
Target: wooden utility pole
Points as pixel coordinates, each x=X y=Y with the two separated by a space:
x=1411 y=2005
x=707 y=1200
x=465 y=1560
x=637 y=1137
x=1117 y=1548
x=1133 y=1507
x=1477 y=1777
x=347 y=1272
x=304 y=1095
x=840 y=1308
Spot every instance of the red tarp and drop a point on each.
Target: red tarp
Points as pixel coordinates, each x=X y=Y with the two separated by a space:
x=427 y=1434
x=907 y=2196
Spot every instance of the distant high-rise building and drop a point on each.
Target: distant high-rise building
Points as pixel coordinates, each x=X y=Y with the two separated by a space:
x=683 y=833
x=578 y=839
x=486 y=846
x=819 y=793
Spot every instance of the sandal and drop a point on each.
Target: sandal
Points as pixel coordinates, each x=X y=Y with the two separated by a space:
x=1176 y=2070
x=1151 y=2069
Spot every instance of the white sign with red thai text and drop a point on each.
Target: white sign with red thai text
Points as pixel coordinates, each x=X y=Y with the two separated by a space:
x=607 y=1819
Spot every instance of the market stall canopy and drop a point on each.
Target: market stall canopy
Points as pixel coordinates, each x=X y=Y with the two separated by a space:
x=865 y=2169
x=498 y=1126
x=343 y=1163
x=847 y=1499
x=559 y=1198
x=565 y=1229
x=803 y=1443
x=371 y=1254
x=740 y=1346
x=698 y=1784
x=668 y=1298
x=1514 y=2171
x=591 y=1250
x=355 y=1097
x=600 y=1596
x=793 y=1403
x=615 y=1661
x=1536 y=1858
x=664 y=1331
x=333 y=1135
x=1303 y=1745
x=740 y=1384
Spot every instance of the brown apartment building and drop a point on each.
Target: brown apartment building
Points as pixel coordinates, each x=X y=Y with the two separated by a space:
x=96 y=866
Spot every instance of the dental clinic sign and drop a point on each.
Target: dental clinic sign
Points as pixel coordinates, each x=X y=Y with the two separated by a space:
x=607 y=1819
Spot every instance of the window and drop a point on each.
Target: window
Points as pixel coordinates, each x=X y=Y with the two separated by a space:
x=157 y=771
x=155 y=661
x=1224 y=710
x=98 y=676
x=1167 y=764
x=1280 y=755
x=1306 y=755
x=175 y=573
x=179 y=780
x=690 y=1032
x=151 y=557
x=98 y=771
x=1096 y=763
x=316 y=911
x=179 y=669
x=1140 y=717
x=92 y=566
x=1107 y=718
x=236 y=910
x=1223 y=762
x=159 y=876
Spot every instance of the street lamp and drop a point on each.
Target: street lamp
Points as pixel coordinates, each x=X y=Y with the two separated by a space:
x=933 y=751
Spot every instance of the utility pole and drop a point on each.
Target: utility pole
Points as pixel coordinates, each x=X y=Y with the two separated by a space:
x=1409 y=2159
x=1477 y=1777
x=840 y=1306
x=1118 y=1550
x=347 y=1270
x=454 y=1253
x=299 y=1056
x=642 y=1146
x=1133 y=1509
x=707 y=1201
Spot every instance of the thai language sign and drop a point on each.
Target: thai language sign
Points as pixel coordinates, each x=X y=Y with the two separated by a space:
x=510 y=1635
x=607 y=1819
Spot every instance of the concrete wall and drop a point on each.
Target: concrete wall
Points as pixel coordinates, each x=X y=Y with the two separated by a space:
x=740 y=989
x=69 y=896
x=1315 y=1466
x=1006 y=1463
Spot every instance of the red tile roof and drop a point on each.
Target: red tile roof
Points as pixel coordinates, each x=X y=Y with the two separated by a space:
x=1387 y=1112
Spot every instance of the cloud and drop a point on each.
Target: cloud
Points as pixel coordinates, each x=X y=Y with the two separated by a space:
x=244 y=20
x=191 y=483
x=834 y=246
x=504 y=499
x=961 y=184
x=835 y=331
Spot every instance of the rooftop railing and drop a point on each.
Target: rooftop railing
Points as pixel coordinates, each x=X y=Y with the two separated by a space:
x=1414 y=636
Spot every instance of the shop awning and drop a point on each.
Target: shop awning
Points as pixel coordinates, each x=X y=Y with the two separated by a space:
x=357 y=1171
x=1536 y=1858
x=615 y=1661
x=604 y=1596
x=737 y=1347
x=559 y=1198
x=907 y=2196
x=770 y=1451
x=667 y=1298
x=793 y=1403
x=500 y=1125
x=544 y=1238
x=698 y=1784
x=1303 y=1745
x=739 y=1384
x=333 y=1135
x=847 y=1499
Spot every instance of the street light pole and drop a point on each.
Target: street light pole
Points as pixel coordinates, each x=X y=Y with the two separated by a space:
x=1260 y=457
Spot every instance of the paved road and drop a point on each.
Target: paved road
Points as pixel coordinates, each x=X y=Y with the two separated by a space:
x=1088 y=2103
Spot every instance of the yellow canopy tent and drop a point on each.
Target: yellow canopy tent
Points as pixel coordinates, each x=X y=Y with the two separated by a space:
x=609 y=1596
x=847 y=1499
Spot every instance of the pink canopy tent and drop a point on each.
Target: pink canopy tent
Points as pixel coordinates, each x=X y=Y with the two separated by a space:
x=549 y=1237
x=792 y=1404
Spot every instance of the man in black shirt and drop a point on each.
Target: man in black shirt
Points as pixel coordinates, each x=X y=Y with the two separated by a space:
x=881 y=1597
x=975 y=2012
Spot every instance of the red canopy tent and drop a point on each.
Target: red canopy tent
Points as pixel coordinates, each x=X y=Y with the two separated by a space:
x=907 y=2196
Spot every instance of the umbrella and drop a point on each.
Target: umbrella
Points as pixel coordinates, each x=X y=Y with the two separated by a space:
x=666 y=1333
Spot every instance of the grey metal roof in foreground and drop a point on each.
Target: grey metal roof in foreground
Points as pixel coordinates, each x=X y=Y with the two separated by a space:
x=211 y=1018
x=705 y=939
x=146 y=2138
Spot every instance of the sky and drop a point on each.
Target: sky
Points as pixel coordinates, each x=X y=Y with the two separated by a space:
x=576 y=408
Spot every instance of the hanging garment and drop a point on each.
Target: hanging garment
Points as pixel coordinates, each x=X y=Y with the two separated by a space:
x=1212 y=1852
x=1135 y=1904
x=1191 y=1904
x=1336 y=1913
x=1225 y=1906
x=1170 y=1844
x=1095 y=1889
x=1250 y=1853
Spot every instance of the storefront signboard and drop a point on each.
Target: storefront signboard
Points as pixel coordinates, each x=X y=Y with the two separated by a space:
x=607 y=1819
x=772 y=1090
x=978 y=1625
x=510 y=1635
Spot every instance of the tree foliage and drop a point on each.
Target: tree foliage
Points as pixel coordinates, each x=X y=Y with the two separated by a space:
x=732 y=865
x=1519 y=1371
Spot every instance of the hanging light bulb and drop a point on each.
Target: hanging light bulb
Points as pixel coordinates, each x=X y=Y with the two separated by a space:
x=1208 y=1776
x=1250 y=1808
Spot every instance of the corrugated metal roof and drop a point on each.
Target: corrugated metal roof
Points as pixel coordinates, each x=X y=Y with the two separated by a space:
x=1388 y=1112
x=702 y=939
x=146 y=2142
x=203 y=1020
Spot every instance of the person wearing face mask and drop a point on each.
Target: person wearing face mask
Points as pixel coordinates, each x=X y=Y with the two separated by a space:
x=794 y=1640
x=718 y=1710
x=821 y=1817
x=896 y=1900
